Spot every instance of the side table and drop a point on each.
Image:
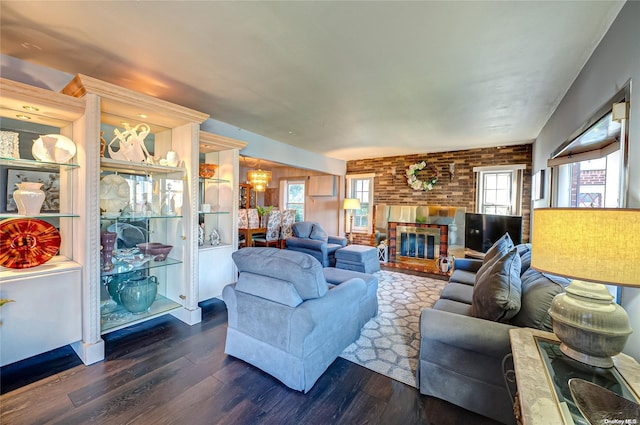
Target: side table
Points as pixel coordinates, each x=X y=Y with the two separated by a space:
x=540 y=399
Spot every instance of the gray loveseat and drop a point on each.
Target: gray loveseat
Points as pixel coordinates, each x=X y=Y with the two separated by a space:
x=291 y=317
x=465 y=336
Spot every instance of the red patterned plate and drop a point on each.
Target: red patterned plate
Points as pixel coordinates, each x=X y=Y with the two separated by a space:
x=27 y=242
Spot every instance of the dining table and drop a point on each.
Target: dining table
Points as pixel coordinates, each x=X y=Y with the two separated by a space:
x=249 y=232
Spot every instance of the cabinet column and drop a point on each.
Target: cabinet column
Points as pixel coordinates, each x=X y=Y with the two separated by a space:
x=86 y=229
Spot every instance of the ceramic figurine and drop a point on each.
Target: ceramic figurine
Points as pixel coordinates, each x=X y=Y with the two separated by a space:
x=131 y=144
x=201 y=234
x=446 y=263
x=214 y=238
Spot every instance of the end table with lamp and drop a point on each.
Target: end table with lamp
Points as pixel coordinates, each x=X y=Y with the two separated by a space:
x=592 y=246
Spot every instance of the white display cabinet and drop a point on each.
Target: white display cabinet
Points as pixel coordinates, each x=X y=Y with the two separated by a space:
x=219 y=195
x=111 y=109
x=46 y=310
x=66 y=300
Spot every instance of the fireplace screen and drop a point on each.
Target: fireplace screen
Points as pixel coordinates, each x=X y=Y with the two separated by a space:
x=417 y=242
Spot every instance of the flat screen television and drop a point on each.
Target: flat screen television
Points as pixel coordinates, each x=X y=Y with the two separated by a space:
x=482 y=230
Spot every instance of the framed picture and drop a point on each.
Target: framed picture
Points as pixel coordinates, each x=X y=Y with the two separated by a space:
x=50 y=180
x=538 y=185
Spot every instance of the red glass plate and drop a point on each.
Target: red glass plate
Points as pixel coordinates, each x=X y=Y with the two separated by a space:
x=27 y=242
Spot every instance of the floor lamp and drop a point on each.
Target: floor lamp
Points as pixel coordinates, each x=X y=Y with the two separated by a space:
x=350 y=205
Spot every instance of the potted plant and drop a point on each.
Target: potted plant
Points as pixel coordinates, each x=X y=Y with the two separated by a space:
x=262 y=212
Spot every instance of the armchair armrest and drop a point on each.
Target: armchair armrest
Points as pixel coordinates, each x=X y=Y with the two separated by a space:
x=465 y=332
x=468 y=264
x=307 y=243
x=339 y=240
x=315 y=318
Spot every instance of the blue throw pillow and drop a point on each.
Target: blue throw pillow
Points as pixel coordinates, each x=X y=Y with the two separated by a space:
x=497 y=293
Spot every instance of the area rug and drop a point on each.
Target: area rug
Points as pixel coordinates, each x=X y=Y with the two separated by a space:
x=389 y=342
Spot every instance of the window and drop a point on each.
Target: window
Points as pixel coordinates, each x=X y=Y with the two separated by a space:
x=589 y=169
x=360 y=186
x=499 y=189
x=294 y=197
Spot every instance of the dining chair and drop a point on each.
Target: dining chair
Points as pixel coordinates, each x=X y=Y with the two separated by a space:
x=253 y=217
x=272 y=237
x=286 y=230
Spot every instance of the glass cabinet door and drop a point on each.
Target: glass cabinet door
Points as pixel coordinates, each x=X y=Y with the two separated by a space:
x=142 y=252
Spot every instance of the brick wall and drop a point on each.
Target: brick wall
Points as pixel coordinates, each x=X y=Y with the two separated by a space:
x=456 y=191
x=597 y=177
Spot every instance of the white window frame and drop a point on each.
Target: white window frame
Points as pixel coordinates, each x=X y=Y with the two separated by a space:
x=371 y=177
x=284 y=193
x=516 y=171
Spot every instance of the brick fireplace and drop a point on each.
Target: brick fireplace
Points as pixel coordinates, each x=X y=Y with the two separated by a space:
x=418 y=244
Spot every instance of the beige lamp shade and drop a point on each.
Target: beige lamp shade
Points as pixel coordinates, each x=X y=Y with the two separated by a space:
x=351 y=204
x=591 y=244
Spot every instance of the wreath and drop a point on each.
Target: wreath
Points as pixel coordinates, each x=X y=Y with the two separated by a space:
x=417 y=184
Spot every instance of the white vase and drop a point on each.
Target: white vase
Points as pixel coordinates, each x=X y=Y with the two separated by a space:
x=29 y=198
x=172 y=159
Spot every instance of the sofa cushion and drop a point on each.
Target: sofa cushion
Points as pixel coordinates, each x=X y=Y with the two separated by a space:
x=276 y=290
x=538 y=290
x=458 y=292
x=502 y=245
x=318 y=233
x=463 y=276
x=453 y=307
x=302 y=270
x=525 y=262
x=496 y=295
x=302 y=229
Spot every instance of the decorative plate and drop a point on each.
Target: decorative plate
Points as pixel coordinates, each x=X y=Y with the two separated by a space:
x=114 y=193
x=53 y=148
x=27 y=243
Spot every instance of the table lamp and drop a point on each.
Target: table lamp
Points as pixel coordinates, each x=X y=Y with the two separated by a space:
x=594 y=247
x=351 y=204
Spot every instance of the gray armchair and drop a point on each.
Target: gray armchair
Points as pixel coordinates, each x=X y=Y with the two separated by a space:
x=309 y=237
x=290 y=317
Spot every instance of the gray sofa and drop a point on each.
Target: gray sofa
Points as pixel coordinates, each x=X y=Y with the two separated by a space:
x=291 y=317
x=465 y=336
x=309 y=237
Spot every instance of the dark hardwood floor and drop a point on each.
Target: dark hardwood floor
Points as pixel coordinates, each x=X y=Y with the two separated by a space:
x=166 y=372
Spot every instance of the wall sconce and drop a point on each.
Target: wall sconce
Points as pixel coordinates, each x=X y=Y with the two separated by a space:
x=452 y=170
x=393 y=172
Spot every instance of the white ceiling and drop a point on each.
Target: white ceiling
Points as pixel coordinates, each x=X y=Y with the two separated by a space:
x=346 y=79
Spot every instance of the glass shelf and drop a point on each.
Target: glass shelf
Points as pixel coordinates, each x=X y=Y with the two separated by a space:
x=148 y=265
x=32 y=163
x=114 y=316
x=207 y=246
x=41 y=215
x=137 y=217
x=213 y=180
x=137 y=168
x=213 y=212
